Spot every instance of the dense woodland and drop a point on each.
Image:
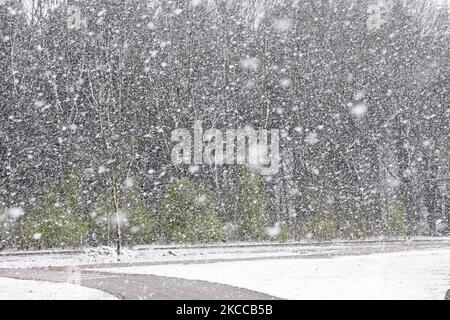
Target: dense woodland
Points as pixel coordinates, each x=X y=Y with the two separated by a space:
x=90 y=92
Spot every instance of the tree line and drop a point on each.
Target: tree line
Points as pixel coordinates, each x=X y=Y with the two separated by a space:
x=359 y=90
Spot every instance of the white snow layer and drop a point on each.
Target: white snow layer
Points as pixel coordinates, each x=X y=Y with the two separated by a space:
x=405 y=275
x=12 y=289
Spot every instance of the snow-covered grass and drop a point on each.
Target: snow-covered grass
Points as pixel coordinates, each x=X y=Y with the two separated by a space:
x=401 y=275
x=11 y=289
x=105 y=255
x=101 y=256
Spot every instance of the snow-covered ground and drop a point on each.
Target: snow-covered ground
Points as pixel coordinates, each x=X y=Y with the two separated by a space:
x=105 y=255
x=11 y=289
x=96 y=256
x=423 y=274
x=418 y=269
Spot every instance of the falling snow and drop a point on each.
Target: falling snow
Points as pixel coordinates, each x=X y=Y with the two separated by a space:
x=153 y=122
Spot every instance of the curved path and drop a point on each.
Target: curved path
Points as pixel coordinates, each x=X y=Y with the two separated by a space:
x=138 y=287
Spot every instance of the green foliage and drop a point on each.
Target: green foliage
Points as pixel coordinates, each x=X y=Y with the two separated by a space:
x=58 y=221
x=6 y=228
x=187 y=213
x=137 y=223
x=101 y=219
x=252 y=213
x=396 y=219
x=286 y=233
x=321 y=227
x=52 y=229
x=140 y=224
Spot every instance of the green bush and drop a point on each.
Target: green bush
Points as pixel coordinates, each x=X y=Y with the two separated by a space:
x=187 y=213
x=99 y=219
x=396 y=219
x=137 y=223
x=58 y=221
x=321 y=227
x=6 y=229
x=252 y=218
x=140 y=225
x=52 y=229
x=286 y=233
